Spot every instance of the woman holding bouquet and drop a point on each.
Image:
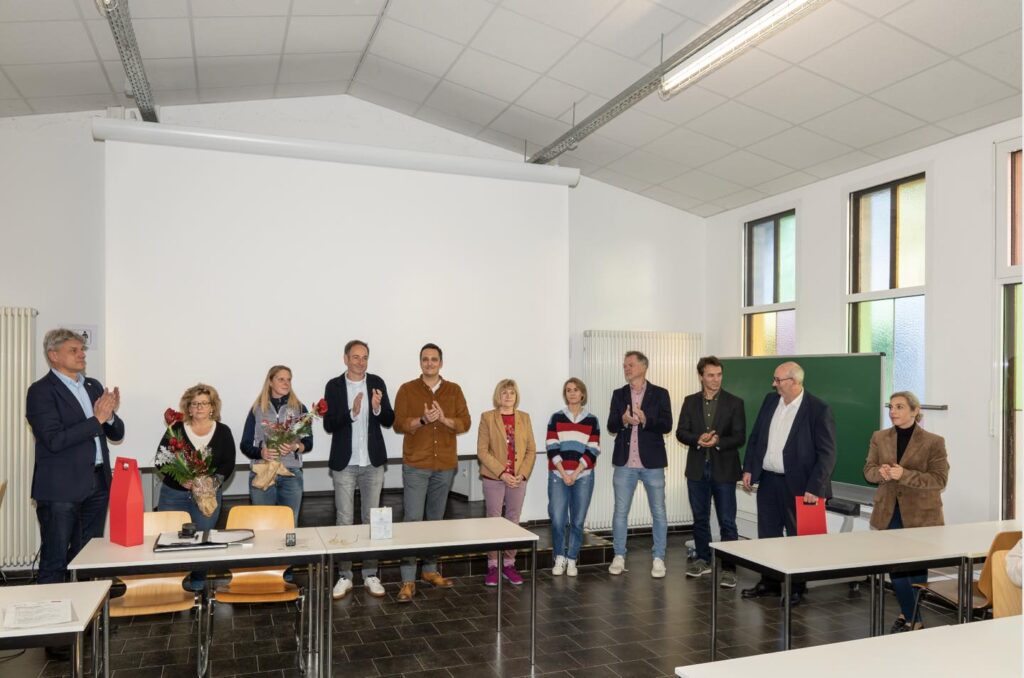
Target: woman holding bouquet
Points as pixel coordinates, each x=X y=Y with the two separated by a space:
x=275 y=478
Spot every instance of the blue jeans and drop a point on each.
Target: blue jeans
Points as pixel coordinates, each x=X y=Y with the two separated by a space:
x=903 y=586
x=181 y=500
x=67 y=526
x=701 y=493
x=284 y=492
x=624 y=480
x=567 y=505
x=424 y=497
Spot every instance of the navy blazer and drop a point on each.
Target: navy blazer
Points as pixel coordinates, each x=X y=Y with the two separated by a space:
x=65 y=446
x=338 y=421
x=731 y=426
x=651 y=438
x=810 y=452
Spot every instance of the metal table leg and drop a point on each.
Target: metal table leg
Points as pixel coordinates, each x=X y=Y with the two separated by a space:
x=716 y=564
x=77 y=661
x=106 y=637
x=969 y=591
x=873 y=605
x=95 y=628
x=961 y=599
x=787 y=631
x=329 y=630
x=533 y=603
x=498 y=623
x=880 y=622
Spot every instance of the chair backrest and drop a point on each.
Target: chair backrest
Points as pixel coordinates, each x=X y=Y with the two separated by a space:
x=261 y=518
x=1006 y=596
x=3 y=491
x=1004 y=541
x=155 y=522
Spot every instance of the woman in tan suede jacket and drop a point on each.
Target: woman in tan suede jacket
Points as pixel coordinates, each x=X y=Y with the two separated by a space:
x=506 y=451
x=910 y=467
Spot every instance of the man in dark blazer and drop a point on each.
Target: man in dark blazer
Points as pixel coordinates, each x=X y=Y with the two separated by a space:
x=71 y=416
x=791 y=454
x=640 y=415
x=357 y=406
x=712 y=423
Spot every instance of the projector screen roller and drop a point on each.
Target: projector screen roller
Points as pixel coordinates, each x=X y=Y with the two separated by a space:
x=220 y=265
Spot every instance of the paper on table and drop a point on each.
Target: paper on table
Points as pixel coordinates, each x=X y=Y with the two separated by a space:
x=172 y=539
x=42 y=613
x=380 y=523
x=229 y=536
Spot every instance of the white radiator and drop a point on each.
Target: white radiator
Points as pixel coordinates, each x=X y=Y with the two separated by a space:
x=19 y=538
x=673 y=365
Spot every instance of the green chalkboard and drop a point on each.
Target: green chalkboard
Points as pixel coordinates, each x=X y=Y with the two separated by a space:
x=850 y=383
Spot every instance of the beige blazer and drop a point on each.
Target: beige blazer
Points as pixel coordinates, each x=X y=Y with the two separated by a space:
x=925 y=472
x=492 y=448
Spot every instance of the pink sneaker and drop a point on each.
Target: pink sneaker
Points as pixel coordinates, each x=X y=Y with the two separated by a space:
x=491 y=579
x=510 y=574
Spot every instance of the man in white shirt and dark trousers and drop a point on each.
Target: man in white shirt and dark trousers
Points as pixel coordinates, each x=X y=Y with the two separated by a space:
x=791 y=453
x=357 y=406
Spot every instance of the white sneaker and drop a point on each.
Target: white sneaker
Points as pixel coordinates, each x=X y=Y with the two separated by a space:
x=570 y=568
x=618 y=565
x=559 y=568
x=373 y=587
x=342 y=588
x=658 y=568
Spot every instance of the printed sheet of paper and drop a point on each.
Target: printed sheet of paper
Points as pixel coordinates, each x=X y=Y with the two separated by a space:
x=380 y=523
x=42 y=613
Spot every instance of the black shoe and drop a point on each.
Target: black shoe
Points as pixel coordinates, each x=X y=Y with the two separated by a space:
x=59 y=653
x=900 y=625
x=761 y=590
x=794 y=599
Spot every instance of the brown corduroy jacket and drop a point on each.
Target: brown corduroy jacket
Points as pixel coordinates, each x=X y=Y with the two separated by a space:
x=432 y=446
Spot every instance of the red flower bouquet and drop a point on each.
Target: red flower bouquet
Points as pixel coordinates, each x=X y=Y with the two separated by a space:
x=279 y=434
x=187 y=466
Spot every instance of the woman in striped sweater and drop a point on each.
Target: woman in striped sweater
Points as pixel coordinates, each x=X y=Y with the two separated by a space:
x=573 y=443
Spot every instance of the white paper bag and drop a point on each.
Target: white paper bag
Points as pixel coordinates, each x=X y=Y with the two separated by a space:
x=380 y=523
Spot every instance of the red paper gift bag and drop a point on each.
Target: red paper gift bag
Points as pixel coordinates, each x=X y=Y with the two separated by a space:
x=810 y=518
x=126 y=502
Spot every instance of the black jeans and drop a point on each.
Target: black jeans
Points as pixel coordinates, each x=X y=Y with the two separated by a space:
x=66 y=526
x=776 y=512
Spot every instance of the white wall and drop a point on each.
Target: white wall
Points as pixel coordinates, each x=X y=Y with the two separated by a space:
x=962 y=314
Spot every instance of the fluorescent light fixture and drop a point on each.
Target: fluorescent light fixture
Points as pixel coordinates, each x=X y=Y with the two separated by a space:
x=773 y=19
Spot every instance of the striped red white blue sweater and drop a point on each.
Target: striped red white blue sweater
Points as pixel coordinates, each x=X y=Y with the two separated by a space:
x=573 y=440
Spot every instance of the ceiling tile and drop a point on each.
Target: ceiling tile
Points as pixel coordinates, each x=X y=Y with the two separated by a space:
x=862 y=122
x=677 y=200
x=206 y=8
x=607 y=176
x=141 y=9
x=633 y=27
x=551 y=98
x=689 y=148
x=307 y=34
x=318 y=67
x=954 y=26
x=238 y=36
x=675 y=40
x=391 y=78
x=163 y=74
x=33 y=10
x=460 y=102
x=1007 y=109
x=706 y=209
x=785 y=183
x=746 y=168
x=163 y=38
x=745 y=71
x=44 y=42
x=797 y=95
x=737 y=124
x=460 y=125
x=570 y=160
x=647 y=167
x=175 y=97
x=635 y=128
x=523 y=124
x=12 y=107
x=876 y=8
x=872 y=58
x=706 y=12
x=600 y=150
x=927 y=95
x=701 y=185
x=799 y=148
x=683 y=107
x=576 y=17
x=414 y=48
x=7 y=90
x=522 y=41
x=247 y=93
x=1000 y=58
x=506 y=141
x=829 y=23
x=597 y=70
x=46 y=80
x=385 y=99
x=589 y=104
x=457 y=20
x=843 y=163
x=490 y=75
x=911 y=141
x=294 y=90
x=739 y=198
x=351 y=7
x=240 y=71
x=65 y=104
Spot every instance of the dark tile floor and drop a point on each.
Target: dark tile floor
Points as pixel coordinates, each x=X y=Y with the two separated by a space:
x=594 y=625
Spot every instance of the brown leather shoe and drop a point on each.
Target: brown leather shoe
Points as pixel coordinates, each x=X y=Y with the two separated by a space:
x=437 y=580
x=407 y=591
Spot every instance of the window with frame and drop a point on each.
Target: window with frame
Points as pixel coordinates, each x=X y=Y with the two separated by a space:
x=887 y=277
x=1008 y=274
x=769 y=300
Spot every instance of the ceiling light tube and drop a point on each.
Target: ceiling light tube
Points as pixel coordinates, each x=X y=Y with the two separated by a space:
x=775 y=18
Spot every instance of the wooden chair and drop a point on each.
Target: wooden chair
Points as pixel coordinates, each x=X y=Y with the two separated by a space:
x=250 y=585
x=946 y=590
x=1006 y=596
x=155 y=593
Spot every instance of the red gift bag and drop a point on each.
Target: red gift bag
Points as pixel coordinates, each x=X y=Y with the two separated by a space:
x=810 y=518
x=126 y=502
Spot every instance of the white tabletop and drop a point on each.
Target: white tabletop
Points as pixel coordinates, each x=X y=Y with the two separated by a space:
x=425 y=535
x=986 y=648
x=970 y=539
x=101 y=554
x=86 y=598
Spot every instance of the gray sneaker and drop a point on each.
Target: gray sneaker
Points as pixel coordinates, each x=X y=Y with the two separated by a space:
x=728 y=580
x=697 y=568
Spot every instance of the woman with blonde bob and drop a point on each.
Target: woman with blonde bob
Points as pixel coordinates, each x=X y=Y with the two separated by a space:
x=506 y=450
x=910 y=467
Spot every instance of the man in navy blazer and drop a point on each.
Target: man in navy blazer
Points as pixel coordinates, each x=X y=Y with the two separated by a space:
x=791 y=453
x=640 y=415
x=71 y=416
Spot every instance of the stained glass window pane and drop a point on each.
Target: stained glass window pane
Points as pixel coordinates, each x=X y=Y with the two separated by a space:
x=873 y=241
x=1015 y=208
x=761 y=334
x=908 y=345
x=762 y=264
x=1018 y=349
x=910 y=234
x=787 y=258
x=785 y=333
x=874 y=331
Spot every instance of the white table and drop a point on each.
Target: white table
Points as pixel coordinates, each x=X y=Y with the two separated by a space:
x=437 y=537
x=88 y=599
x=989 y=648
x=101 y=558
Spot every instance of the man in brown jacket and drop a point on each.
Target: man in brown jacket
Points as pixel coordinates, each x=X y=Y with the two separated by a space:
x=430 y=412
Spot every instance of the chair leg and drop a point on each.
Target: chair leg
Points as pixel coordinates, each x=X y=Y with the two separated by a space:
x=918 y=595
x=300 y=604
x=204 y=618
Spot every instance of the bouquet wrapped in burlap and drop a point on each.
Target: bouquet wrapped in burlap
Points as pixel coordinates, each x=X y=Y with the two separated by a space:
x=277 y=435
